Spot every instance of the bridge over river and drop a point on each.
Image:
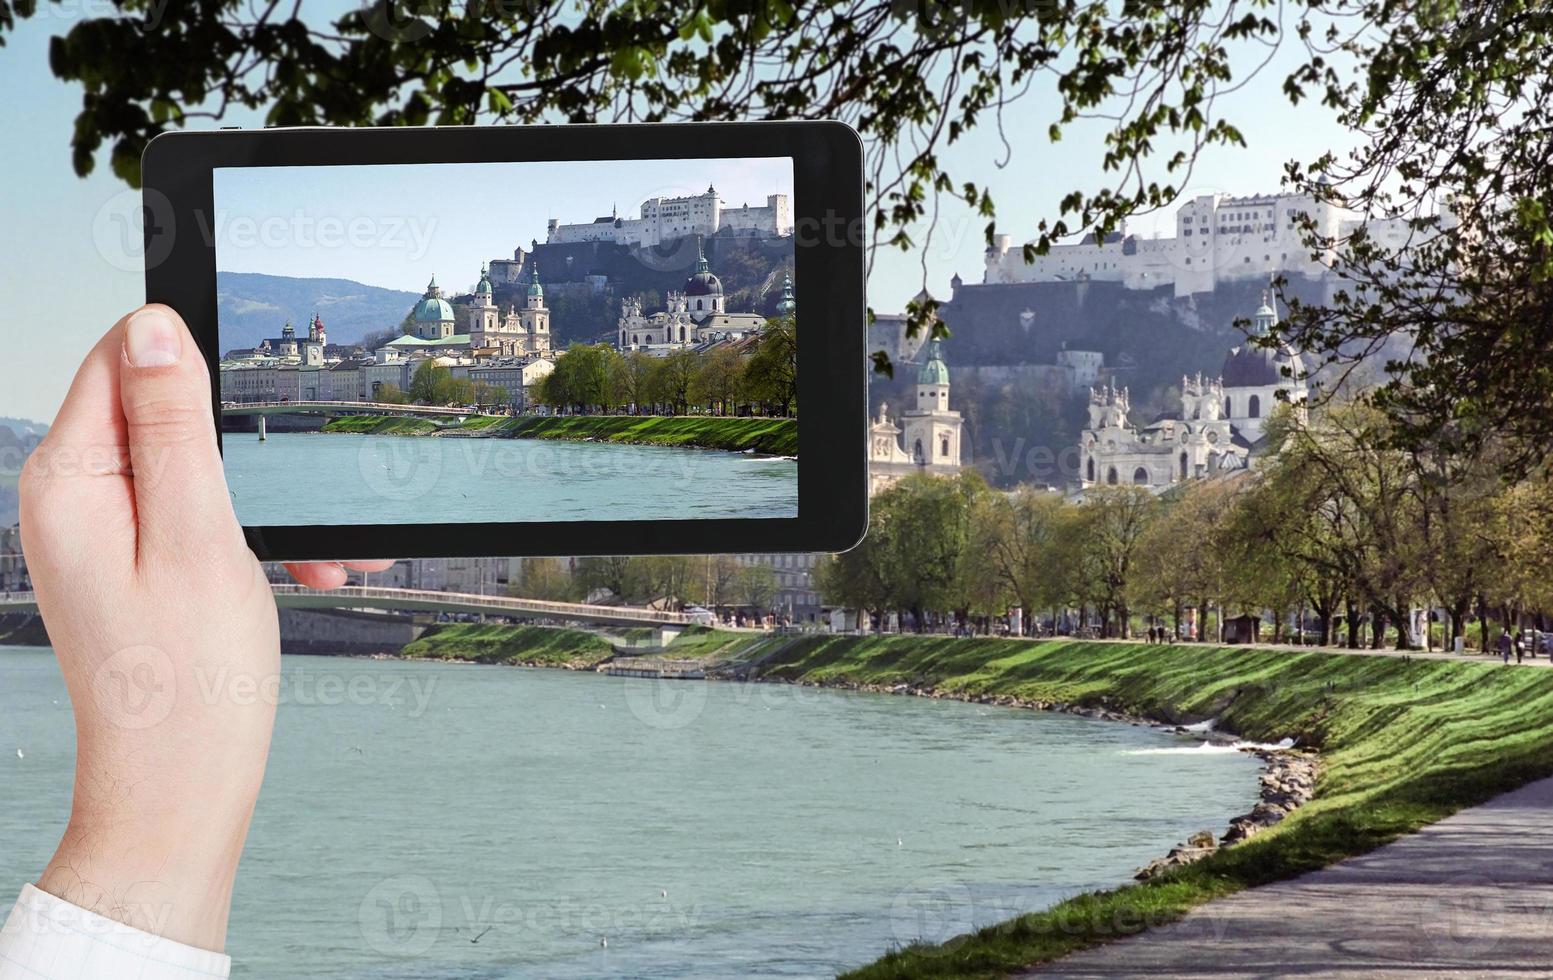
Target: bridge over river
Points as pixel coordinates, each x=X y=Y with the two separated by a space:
x=239 y=409
x=427 y=600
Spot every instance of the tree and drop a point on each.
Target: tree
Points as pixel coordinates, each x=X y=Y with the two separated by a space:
x=546 y=578
x=611 y=574
x=677 y=377
x=1451 y=105
x=1014 y=538
x=432 y=384
x=720 y=380
x=1109 y=524
x=913 y=78
x=389 y=394
x=666 y=580
x=756 y=588
x=634 y=379
x=1180 y=557
x=771 y=375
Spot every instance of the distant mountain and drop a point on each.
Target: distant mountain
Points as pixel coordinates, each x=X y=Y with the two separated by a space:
x=251 y=306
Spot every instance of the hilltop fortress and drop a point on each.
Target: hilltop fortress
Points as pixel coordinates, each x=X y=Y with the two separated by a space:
x=1218 y=238
x=663 y=219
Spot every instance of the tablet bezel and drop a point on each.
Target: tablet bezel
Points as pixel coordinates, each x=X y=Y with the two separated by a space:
x=827 y=209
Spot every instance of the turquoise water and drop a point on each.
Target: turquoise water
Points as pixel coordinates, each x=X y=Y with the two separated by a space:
x=441 y=821
x=317 y=478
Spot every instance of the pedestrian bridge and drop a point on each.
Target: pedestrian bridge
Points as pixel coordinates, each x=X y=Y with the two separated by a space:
x=427 y=600
x=238 y=409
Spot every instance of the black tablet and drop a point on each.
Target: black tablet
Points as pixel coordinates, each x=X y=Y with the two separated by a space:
x=556 y=340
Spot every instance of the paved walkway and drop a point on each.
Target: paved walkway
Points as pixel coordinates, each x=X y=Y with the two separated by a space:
x=1470 y=896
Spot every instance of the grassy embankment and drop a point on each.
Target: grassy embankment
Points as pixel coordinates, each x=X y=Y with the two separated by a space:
x=1405 y=743
x=773 y=437
x=539 y=646
x=383 y=425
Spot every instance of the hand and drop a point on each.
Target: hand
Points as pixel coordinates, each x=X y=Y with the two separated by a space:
x=165 y=629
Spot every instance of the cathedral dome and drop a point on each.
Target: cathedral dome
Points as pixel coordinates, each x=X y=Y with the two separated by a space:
x=484 y=289
x=703 y=282
x=432 y=309
x=934 y=371
x=1250 y=366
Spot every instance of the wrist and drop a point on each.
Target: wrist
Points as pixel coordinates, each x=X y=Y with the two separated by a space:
x=154 y=844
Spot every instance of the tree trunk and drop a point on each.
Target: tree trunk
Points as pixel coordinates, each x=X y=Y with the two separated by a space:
x=1351 y=609
x=1377 y=629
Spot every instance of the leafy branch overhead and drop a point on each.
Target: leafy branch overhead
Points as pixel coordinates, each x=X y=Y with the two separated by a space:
x=912 y=78
x=1449 y=102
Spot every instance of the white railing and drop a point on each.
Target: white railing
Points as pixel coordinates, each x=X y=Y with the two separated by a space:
x=506 y=604
x=244 y=408
x=542 y=607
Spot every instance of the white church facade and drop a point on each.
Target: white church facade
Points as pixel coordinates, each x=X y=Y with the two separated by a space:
x=927 y=440
x=514 y=333
x=691 y=317
x=1221 y=426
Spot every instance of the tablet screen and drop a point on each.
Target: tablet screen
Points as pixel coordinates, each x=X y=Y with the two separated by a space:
x=604 y=340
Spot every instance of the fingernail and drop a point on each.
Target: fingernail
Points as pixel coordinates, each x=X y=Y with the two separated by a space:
x=152 y=339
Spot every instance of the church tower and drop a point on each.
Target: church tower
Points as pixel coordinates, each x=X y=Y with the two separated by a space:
x=536 y=316
x=932 y=429
x=787 y=306
x=483 y=314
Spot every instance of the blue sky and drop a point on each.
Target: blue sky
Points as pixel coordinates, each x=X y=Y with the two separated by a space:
x=66 y=275
x=396 y=226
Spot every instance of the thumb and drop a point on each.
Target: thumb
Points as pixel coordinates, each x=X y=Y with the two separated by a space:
x=164 y=388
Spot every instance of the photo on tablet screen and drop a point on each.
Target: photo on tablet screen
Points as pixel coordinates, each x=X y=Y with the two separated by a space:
x=508 y=342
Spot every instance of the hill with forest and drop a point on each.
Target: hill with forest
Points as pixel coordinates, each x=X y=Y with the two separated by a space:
x=251 y=306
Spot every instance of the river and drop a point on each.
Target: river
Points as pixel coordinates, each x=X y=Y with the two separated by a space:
x=439 y=820
x=319 y=478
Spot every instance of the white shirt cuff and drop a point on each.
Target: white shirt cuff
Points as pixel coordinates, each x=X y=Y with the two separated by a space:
x=47 y=938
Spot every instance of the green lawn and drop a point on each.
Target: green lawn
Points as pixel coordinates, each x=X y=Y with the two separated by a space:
x=503 y=644
x=1405 y=743
x=384 y=425
x=775 y=437
x=705 y=643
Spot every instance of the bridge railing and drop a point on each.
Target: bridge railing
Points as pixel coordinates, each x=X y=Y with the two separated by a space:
x=510 y=604
x=242 y=408
x=504 y=604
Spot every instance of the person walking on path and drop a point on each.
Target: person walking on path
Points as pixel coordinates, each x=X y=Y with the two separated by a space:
x=1520 y=646
x=1504 y=645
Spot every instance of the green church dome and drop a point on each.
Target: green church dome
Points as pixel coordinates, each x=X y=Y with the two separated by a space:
x=432 y=309
x=934 y=371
